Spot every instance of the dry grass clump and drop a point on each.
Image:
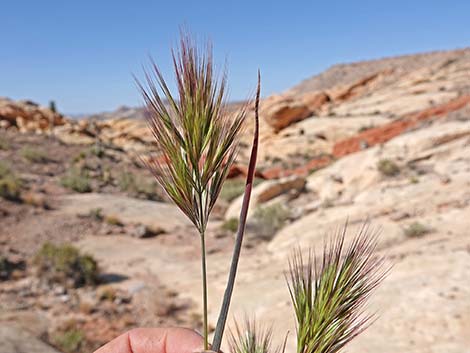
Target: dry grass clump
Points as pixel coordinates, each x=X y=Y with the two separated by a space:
x=230 y=225
x=388 y=167
x=77 y=179
x=107 y=293
x=416 y=230
x=113 y=220
x=33 y=155
x=69 y=341
x=66 y=265
x=36 y=199
x=97 y=150
x=235 y=187
x=10 y=184
x=138 y=186
x=4 y=144
x=232 y=189
x=96 y=214
x=269 y=219
x=70 y=338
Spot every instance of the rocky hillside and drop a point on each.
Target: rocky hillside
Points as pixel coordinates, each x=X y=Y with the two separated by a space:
x=386 y=141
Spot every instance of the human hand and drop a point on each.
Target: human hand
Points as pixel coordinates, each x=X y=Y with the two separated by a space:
x=155 y=340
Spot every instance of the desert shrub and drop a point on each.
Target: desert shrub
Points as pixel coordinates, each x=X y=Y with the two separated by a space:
x=138 y=186
x=96 y=214
x=388 y=167
x=65 y=264
x=97 y=150
x=107 y=293
x=148 y=189
x=5 y=268
x=4 y=145
x=269 y=219
x=8 y=267
x=10 y=184
x=416 y=230
x=52 y=106
x=77 y=179
x=106 y=176
x=113 y=220
x=365 y=128
x=36 y=200
x=79 y=157
x=234 y=187
x=328 y=203
x=33 y=155
x=126 y=181
x=69 y=341
x=230 y=225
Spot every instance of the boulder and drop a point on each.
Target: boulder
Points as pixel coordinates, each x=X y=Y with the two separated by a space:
x=18 y=340
x=316 y=101
x=264 y=192
x=28 y=116
x=280 y=111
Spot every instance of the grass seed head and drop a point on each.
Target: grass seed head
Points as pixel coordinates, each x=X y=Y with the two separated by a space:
x=196 y=136
x=251 y=338
x=329 y=295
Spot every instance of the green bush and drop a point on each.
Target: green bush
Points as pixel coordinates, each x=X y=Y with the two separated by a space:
x=77 y=179
x=97 y=150
x=96 y=214
x=138 y=186
x=33 y=155
x=52 y=106
x=65 y=264
x=69 y=341
x=233 y=188
x=269 y=219
x=79 y=157
x=126 y=181
x=4 y=145
x=230 y=225
x=416 y=230
x=10 y=184
x=388 y=167
x=5 y=268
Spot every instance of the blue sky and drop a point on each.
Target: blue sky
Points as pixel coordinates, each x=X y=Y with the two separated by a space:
x=82 y=53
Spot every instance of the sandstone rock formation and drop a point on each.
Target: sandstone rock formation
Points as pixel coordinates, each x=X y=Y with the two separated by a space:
x=27 y=116
x=266 y=191
x=323 y=147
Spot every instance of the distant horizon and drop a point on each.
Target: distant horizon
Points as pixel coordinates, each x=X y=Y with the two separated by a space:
x=126 y=106
x=82 y=55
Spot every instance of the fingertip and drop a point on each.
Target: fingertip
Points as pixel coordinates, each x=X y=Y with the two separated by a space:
x=164 y=340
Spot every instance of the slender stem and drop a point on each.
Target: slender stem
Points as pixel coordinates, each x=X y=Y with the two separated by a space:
x=204 y=290
x=219 y=329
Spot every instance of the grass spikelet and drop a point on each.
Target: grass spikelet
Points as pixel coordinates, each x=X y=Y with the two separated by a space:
x=329 y=295
x=196 y=136
x=251 y=338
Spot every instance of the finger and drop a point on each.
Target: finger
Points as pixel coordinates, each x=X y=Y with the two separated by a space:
x=155 y=340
